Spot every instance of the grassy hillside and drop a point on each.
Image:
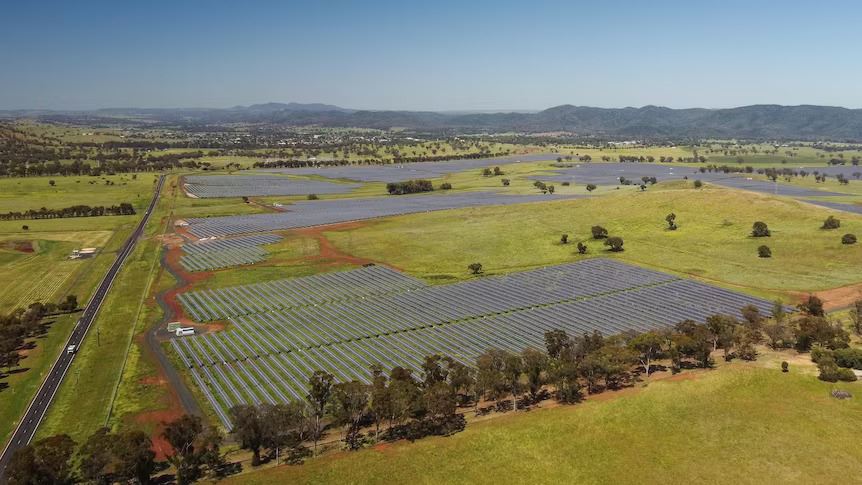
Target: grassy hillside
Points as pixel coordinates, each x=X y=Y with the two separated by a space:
x=739 y=424
x=713 y=240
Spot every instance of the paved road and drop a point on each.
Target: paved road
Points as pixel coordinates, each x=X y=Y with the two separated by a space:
x=39 y=405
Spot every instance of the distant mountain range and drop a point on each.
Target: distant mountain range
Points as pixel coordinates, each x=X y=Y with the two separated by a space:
x=804 y=122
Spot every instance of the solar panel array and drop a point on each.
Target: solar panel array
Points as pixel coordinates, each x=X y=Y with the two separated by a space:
x=219 y=304
x=399 y=172
x=319 y=212
x=221 y=253
x=609 y=174
x=209 y=186
x=268 y=355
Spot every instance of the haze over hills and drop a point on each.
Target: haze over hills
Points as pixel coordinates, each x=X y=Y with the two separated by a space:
x=804 y=122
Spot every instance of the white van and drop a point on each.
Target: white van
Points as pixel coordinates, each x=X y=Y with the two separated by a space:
x=185 y=331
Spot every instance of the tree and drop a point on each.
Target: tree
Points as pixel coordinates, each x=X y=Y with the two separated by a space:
x=752 y=316
x=96 y=454
x=348 y=406
x=445 y=186
x=320 y=391
x=648 y=346
x=52 y=183
x=812 y=306
x=182 y=434
x=764 y=252
x=70 y=304
x=848 y=239
x=46 y=461
x=25 y=227
x=564 y=239
x=381 y=398
x=856 y=317
x=591 y=187
x=439 y=400
x=698 y=184
x=614 y=244
x=475 y=268
x=404 y=395
x=599 y=232
x=831 y=223
x=490 y=380
x=249 y=429
x=512 y=370
x=535 y=366
x=135 y=459
x=582 y=248
x=312 y=197
x=811 y=330
x=671 y=221
x=462 y=380
x=719 y=326
x=760 y=229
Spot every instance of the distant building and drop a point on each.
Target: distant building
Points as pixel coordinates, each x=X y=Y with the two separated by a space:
x=82 y=253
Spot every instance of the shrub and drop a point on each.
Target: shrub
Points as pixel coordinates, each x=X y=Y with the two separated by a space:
x=566 y=184
x=582 y=248
x=599 y=232
x=25 y=227
x=850 y=358
x=312 y=197
x=831 y=223
x=785 y=366
x=698 y=184
x=760 y=229
x=818 y=352
x=487 y=172
x=591 y=187
x=764 y=252
x=505 y=182
x=564 y=239
x=409 y=187
x=445 y=186
x=475 y=268
x=614 y=243
x=848 y=239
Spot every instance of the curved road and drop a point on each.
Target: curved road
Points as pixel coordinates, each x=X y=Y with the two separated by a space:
x=39 y=405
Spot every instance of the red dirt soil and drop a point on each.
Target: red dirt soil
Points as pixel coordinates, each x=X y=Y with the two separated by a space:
x=836 y=298
x=20 y=246
x=327 y=251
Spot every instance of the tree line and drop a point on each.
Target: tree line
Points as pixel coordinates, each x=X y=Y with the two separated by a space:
x=124 y=209
x=22 y=324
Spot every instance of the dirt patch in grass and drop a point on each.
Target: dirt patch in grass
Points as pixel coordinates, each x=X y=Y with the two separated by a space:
x=837 y=298
x=186 y=281
x=18 y=246
x=327 y=251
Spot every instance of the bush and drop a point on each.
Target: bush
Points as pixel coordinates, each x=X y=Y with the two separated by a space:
x=409 y=187
x=599 y=232
x=582 y=248
x=698 y=184
x=614 y=244
x=764 y=252
x=850 y=358
x=505 y=182
x=818 y=352
x=830 y=372
x=848 y=239
x=564 y=239
x=591 y=187
x=566 y=184
x=831 y=223
x=475 y=268
x=760 y=229
x=785 y=367
x=312 y=197
x=445 y=186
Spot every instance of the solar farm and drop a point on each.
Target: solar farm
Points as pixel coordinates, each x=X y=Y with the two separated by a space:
x=213 y=254
x=399 y=172
x=210 y=186
x=319 y=212
x=343 y=322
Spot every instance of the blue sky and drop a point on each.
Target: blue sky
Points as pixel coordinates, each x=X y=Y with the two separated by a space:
x=441 y=55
